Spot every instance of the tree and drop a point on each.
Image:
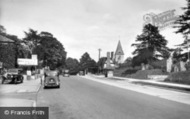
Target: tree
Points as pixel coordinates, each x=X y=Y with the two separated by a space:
x=50 y=50
x=32 y=39
x=2 y=30
x=9 y=53
x=101 y=63
x=72 y=65
x=183 y=23
x=86 y=62
x=151 y=45
x=183 y=26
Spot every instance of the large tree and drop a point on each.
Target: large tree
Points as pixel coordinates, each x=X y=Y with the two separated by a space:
x=32 y=39
x=50 y=51
x=183 y=23
x=150 y=45
x=183 y=27
x=87 y=63
x=10 y=52
x=72 y=65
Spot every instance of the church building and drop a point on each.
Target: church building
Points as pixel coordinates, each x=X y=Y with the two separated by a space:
x=119 y=54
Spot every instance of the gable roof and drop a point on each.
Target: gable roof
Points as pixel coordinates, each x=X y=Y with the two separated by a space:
x=119 y=50
x=4 y=39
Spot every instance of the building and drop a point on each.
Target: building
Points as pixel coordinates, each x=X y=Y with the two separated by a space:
x=4 y=39
x=119 y=54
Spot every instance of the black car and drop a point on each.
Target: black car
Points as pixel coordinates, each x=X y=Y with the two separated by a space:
x=66 y=73
x=13 y=76
x=81 y=73
x=52 y=79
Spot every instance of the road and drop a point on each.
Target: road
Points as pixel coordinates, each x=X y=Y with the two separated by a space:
x=80 y=98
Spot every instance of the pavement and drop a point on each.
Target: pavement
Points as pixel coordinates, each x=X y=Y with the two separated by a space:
x=158 y=83
x=19 y=95
x=127 y=83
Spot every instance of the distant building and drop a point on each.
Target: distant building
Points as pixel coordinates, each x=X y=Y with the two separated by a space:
x=119 y=54
x=4 y=39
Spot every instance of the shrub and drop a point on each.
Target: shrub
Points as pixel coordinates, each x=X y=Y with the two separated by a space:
x=160 y=64
x=142 y=74
x=179 y=77
x=130 y=71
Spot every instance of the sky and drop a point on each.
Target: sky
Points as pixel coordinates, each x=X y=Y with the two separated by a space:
x=88 y=25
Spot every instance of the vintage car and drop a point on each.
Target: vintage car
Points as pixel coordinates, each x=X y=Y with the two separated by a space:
x=13 y=76
x=51 y=79
x=66 y=73
x=81 y=73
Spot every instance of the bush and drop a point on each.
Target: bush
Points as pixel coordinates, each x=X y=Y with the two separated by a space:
x=129 y=71
x=142 y=74
x=179 y=77
x=187 y=66
x=161 y=64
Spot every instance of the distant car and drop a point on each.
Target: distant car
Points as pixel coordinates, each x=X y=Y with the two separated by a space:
x=52 y=79
x=13 y=75
x=66 y=73
x=81 y=73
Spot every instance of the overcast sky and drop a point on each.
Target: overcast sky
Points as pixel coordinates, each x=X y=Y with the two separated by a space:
x=87 y=25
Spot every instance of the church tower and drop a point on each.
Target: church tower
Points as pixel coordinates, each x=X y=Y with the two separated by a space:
x=119 y=54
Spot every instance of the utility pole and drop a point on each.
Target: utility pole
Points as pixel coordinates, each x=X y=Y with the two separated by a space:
x=99 y=50
x=99 y=53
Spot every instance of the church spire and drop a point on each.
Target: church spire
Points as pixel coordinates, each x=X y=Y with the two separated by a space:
x=119 y=50
x=119 y=54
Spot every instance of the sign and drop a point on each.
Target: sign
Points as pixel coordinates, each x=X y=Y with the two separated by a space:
x=161 y=20
x=34 y=57
x=27 y=62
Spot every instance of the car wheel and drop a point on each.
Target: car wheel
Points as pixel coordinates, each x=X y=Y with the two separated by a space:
x=21 y=78
x=2 y=82
x=15 y=81
x=3 y=79
x=58 y=86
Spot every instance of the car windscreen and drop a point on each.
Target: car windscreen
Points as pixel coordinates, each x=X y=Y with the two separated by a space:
x=13 y=71
x=51 y=73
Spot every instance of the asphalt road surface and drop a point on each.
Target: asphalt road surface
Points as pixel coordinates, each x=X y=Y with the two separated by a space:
x=80 y=98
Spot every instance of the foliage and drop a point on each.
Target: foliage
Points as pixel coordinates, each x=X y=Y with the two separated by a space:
x=72 y=65
x=2 y=30
x=87 y=63
x=7 y=55
x=101 y=62
x=129 y=71
x=182 y=24
x=159 y=64
x=50 y=51
x=151 y=46
x=32 y=38
x=179 y=77
x=10 y=52
x=143 y=74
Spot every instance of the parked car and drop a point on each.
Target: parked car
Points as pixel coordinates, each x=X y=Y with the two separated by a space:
x=52 y=79
x=81 y=73
x=13 y=75
x=66 y=73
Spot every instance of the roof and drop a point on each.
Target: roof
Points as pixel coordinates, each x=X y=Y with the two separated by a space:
x=119 y=50
x=4 y=39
